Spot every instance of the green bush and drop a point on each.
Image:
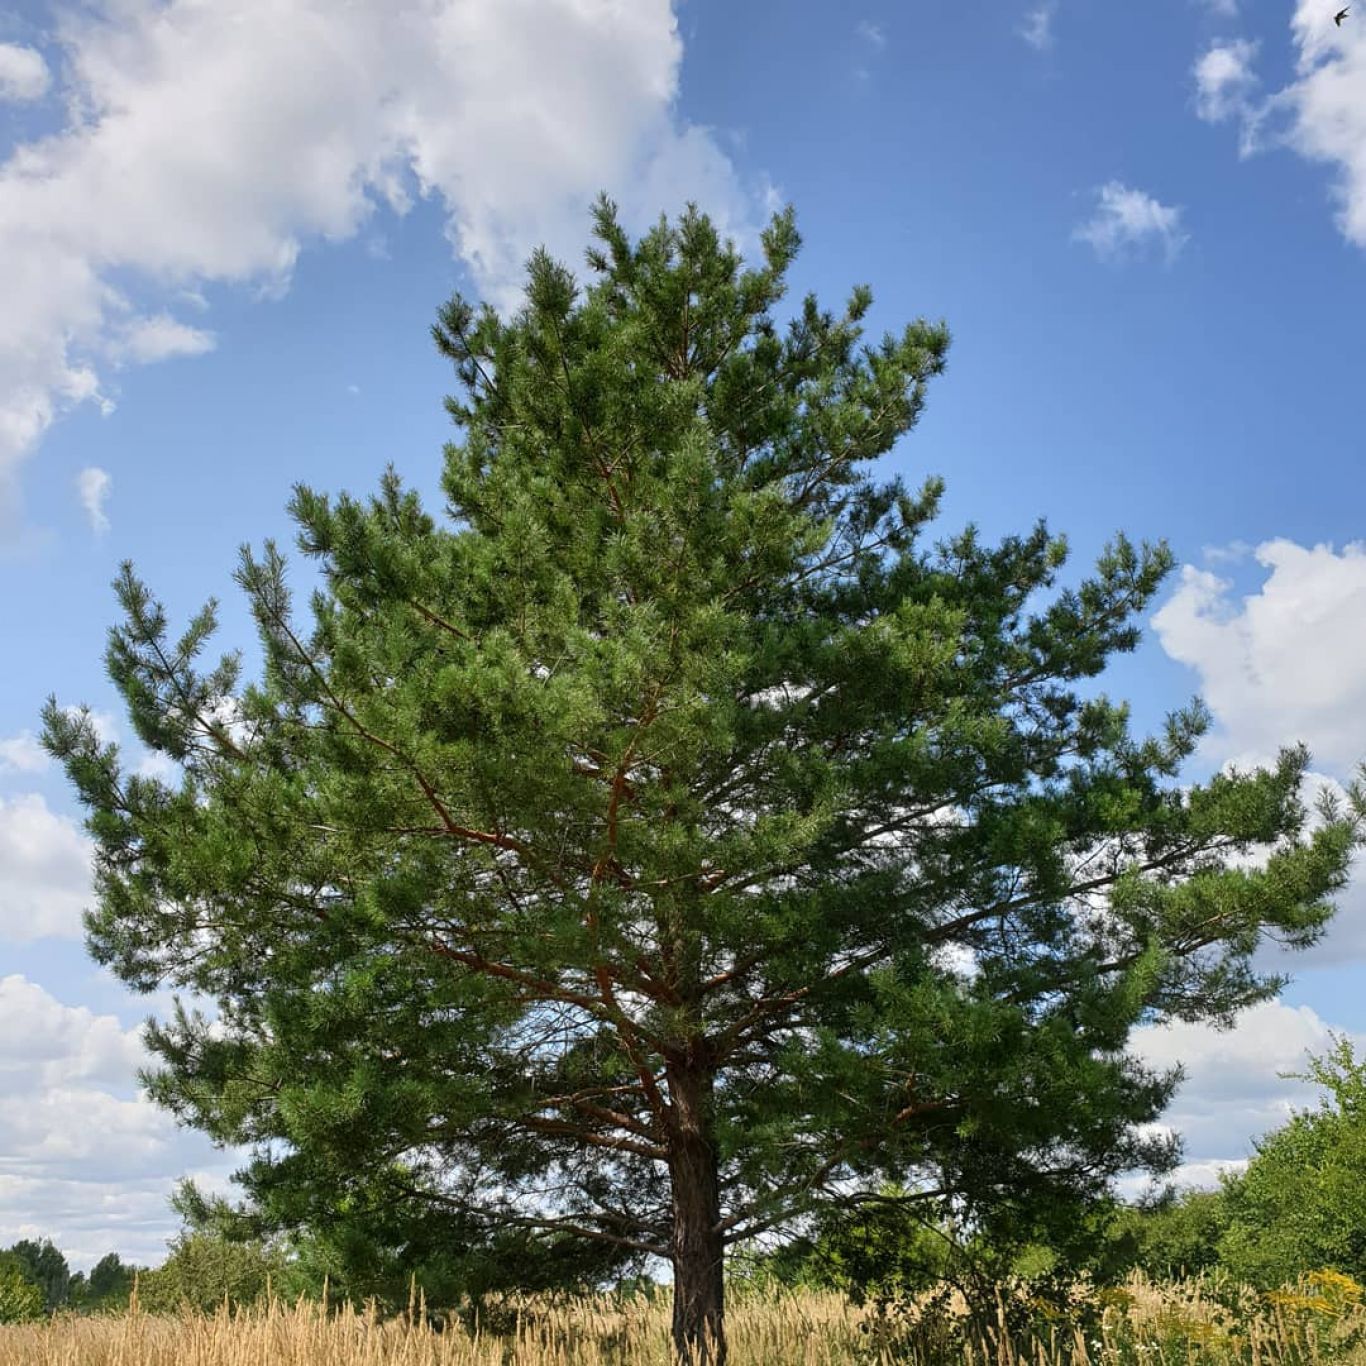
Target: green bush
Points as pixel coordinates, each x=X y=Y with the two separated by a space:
x=1177 y=1235
x=20 y=1300
x=42 y=1263
x=1301 y=1204
x=203 y=1270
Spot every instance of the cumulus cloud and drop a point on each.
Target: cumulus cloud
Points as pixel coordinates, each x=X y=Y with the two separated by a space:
x=1284 y=663
x=1234 y=1090
x=44 y=872
x=1225 y=80
x=161 y=337
x=87 y=1218
x=210 y=143
x=23 y=73
x=1321 y=114
x=53 y=1045
x=22 y=754
x=85 y=1159
x=1327 y=108
x=1037 y=26
x=94 y=486
x=1127 y=222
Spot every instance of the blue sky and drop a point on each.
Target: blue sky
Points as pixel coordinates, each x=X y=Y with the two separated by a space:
x=225 y=228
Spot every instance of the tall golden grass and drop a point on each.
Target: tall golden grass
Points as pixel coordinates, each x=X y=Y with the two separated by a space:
x=1198 y=1323
x=806 y=1330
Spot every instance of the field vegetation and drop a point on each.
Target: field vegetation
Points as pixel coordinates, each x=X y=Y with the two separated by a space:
x=1267 y=1270
x=1204 y=1321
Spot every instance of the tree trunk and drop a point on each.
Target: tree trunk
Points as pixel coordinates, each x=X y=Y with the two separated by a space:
x=699 y=1329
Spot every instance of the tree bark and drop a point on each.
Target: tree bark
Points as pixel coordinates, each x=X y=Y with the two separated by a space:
x=699 y=1329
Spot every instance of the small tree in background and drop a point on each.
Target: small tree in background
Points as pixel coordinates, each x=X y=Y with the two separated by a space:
x=202 y=1271
x=109 y=1282
x=1301 y=1204
x=1175 y=1235
x=676 y=839
x=43 y=1263
x=21 y=1301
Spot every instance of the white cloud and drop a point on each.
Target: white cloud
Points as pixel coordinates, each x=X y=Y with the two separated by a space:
x=212 y=144
x=85 y=1159
x=1225 y=80
x=1127 y=221
x=52 y=1044
x=1321 y=114
x=1328 y=106
x=44 y=872
x=1282 y=664
x=94 y=486
x=1036 y=28
x=1223 y=9
x=872 y=34
x=87 y=1218
x=159 y=766
x=23 y=73
x=23 y=754
x=1233 y=1091
x=161 y=337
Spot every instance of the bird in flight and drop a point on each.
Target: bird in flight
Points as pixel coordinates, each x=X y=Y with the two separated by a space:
x=1340 y=16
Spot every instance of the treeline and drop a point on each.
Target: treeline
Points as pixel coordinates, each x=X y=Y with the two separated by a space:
x=1298 y=1207
x=201 y=1270
x=35 y=1279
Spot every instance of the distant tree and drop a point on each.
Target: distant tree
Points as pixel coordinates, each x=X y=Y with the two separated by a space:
x=1173 y=1236
x=203 y=1270
x=110 y=1280
x=874 y=1252
x=677 y=840
x=364 y=1244
x=21 y=1301
x=1301 y=1203
x=47 y=1268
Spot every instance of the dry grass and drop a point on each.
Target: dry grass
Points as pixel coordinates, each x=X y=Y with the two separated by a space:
x=806 y=1330
x=1196 y=1324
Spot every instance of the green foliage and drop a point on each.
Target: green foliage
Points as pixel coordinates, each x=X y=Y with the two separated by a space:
x=675 y=837
x=108 y=1285
x=21 y=1301
x=876 y=1251
x=1301 y=1203
x=46 y=1268
x=203 y=1270
x=1173 y=1236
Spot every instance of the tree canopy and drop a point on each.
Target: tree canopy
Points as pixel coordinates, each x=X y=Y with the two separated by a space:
x=672 y=837
x=21 y=1301
x=1301 y=1203
x=43 y=1265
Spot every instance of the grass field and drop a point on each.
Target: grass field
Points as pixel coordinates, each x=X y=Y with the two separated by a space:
x=1195 y=1324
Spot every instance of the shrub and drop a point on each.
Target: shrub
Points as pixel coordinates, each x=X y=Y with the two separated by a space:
x=204 y=1270
x=20 y=1300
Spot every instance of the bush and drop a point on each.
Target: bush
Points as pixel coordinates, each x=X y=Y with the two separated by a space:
x=20 y=1300
x=1177 y=1235
x=42 y=1264
x=1301 y=1203
x=203 y=1270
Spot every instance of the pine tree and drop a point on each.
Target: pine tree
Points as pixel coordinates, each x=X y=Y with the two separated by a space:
x=672 y=839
